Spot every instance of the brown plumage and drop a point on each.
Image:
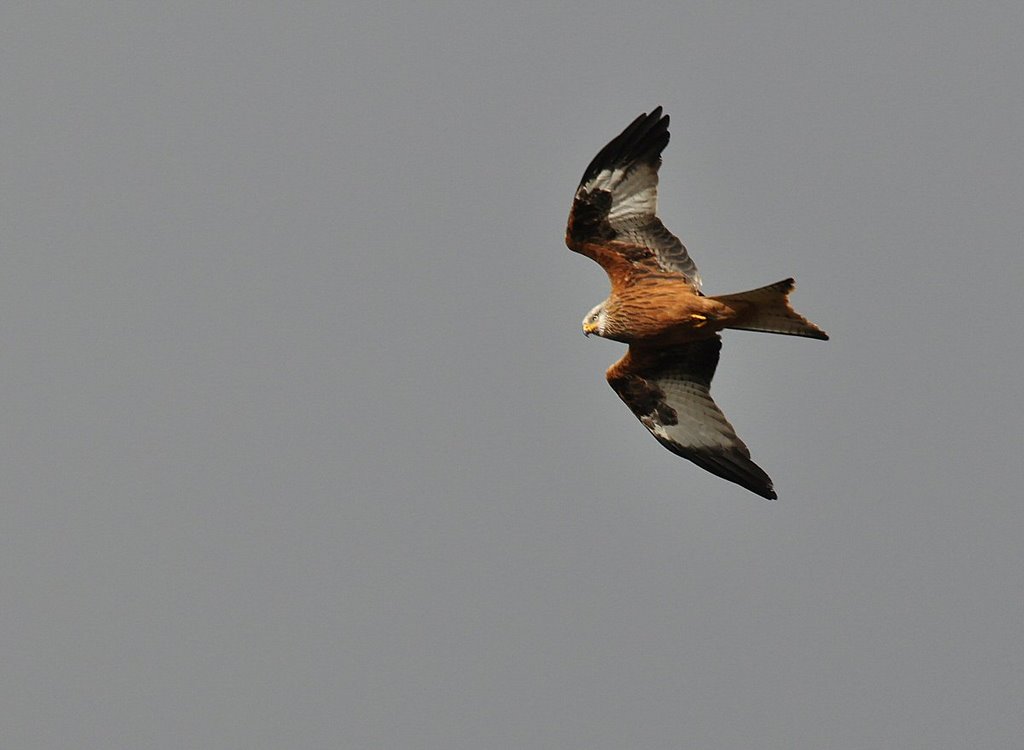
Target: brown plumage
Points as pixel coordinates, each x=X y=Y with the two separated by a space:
x=656 y=306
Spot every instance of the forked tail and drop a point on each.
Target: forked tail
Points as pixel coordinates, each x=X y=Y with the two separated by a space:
x=767 y=309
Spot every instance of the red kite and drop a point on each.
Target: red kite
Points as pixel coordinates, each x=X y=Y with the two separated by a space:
x=656 y=306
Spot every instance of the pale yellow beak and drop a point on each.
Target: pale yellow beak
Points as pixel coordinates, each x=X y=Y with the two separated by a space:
x=589 y=328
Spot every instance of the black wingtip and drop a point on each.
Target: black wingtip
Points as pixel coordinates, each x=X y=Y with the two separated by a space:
x=765 y=490
x=643 y=140
x=736 y=467
x=760 y=487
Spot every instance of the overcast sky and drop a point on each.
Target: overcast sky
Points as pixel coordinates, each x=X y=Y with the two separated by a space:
x=302 y=447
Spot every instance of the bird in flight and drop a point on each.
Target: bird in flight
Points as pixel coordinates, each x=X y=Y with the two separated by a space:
x=656 y=306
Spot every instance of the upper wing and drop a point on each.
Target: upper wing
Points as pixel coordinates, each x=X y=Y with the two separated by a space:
x=668 y=390
x=615 y=207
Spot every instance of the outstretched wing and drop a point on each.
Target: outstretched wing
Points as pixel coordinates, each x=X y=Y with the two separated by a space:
x=669 y=391
x=614 y=211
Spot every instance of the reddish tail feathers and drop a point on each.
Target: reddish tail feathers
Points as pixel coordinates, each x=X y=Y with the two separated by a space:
x=767 y=309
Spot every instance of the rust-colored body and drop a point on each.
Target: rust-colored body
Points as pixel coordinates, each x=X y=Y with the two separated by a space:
x=659 y=309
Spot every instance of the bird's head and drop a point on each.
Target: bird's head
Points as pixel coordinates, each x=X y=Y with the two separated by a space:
x=596 y=321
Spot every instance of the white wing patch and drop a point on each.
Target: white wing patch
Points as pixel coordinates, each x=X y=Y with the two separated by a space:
x=701 y=423
x=634 y=192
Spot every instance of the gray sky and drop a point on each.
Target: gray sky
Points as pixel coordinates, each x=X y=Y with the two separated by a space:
x=302 y=445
